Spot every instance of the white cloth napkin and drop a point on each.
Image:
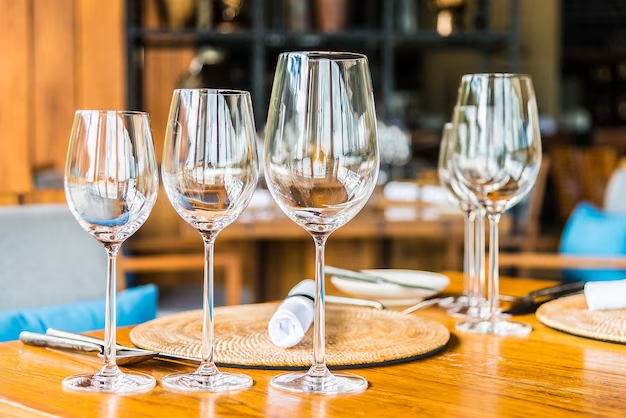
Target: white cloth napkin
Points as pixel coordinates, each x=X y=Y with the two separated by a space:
x=606 y=295
x=294 y=316
x=401 y=191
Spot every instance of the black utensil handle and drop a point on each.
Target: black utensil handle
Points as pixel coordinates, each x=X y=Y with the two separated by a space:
x=560 y=289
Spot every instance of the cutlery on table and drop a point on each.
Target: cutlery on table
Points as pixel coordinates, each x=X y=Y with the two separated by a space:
x=354 y=301
x=531 y=297
x=377 y=305
x=124 y=357
x=370 y=278
x=68 y=340
x=529 y=303
x=552 y=292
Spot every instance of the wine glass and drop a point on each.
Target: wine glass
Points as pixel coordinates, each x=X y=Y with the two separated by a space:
x=321 y=166
x=111 y=185
x=467 y=305
x=210 y=171
x=496 y=156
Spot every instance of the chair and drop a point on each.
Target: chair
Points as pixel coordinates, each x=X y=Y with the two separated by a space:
x=615 y=198
x=592 y=248
x=50 y=268
x=527 y=234
x=566 y=163
x=231 y=262
x=599 y=164
x=581 y=174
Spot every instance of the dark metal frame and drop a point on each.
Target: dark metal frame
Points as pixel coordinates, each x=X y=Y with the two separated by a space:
x=260 y=38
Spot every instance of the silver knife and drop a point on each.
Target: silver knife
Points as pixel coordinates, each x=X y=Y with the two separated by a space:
x=118 y=347
x=370 y=278
x=354 y=301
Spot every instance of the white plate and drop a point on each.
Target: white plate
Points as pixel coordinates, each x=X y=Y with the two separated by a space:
x=392 y=294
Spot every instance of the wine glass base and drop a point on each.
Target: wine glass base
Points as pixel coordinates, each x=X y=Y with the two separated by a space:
x=495 y=327
x=455 y=302
x=196 y=382
x=117 y=383
x=467 y=311
x=329 y=384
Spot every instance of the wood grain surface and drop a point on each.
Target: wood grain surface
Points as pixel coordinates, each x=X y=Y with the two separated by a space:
x=547 y=374
x=16 y=119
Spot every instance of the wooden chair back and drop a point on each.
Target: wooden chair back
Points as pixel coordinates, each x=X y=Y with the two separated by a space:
x=530 y=224
x=565 y=167
x=598 y=164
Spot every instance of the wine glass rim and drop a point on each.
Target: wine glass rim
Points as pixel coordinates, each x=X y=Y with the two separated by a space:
x=498 y=75
x=331 y=55
x=220 y=92
x=117 y=112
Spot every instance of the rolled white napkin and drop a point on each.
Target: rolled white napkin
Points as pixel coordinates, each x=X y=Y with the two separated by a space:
x=294 y=315
x=606 y=295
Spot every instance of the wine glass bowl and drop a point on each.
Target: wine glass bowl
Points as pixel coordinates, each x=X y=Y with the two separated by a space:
x=321 y=166
x=498 y=125
x=210 y=183
x=496 y=156
x=321 y=151
x=111 y=185
x=210 y=199
x=210 y=172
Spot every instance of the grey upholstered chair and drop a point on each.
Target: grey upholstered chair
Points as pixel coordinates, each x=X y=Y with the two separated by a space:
x=46 y=258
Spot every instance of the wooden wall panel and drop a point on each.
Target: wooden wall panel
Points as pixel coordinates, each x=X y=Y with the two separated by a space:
x=100 y=57
x=162 y=71
x=163 y=68
x=15 y=95
x=53 y=80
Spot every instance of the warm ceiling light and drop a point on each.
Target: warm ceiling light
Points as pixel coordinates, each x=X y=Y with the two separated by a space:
x=444 y=23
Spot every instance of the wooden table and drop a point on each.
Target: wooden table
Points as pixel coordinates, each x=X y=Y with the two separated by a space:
x=266 y=245
x=547 y=374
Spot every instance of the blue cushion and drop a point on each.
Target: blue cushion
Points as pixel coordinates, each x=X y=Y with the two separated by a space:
x=134 y=306
x=590 y=231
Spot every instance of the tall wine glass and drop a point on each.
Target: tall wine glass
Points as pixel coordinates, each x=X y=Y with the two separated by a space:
x=467 y=305
x=321 y=165
x=496 y=156
x=210 y=171
x=111 y=185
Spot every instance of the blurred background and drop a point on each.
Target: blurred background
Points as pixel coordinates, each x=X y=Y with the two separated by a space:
x=61 y=55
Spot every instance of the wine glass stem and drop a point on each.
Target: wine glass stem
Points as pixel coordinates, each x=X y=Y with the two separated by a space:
x=494 y=265
x=109 y=367
x=468 y=256
x=319 y=325
x=479 y=254
x=207 y=365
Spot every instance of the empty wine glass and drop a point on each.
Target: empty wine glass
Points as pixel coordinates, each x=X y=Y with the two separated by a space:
x=496 y=156
x=111 y=185
x=321 y=165
x=210 y=171
x=473 y=266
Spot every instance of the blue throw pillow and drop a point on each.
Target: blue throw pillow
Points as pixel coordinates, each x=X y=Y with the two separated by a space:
x=590 y=231
x=134 y=306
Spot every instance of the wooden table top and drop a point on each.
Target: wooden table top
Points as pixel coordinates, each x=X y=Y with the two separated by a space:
x=547 y=374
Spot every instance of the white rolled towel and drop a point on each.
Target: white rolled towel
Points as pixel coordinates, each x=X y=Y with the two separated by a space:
x=294 y=315
x=606 y=295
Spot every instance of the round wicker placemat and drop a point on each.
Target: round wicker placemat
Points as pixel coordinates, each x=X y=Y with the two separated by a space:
x=570 y=314
x=355 y=337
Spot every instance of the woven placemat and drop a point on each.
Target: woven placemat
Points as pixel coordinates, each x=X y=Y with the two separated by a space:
x=355 y=337
x=570 y=314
